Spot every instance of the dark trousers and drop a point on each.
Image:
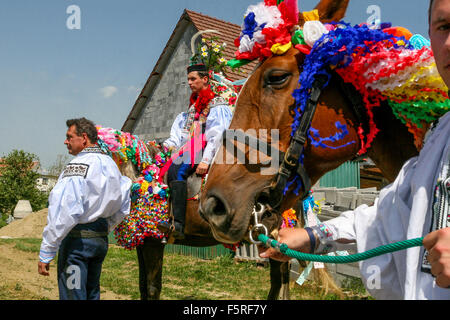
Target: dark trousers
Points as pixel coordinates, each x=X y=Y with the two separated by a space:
x=180 y=172
x=80 y=263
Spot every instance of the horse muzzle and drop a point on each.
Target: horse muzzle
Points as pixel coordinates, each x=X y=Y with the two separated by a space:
x=233 y=219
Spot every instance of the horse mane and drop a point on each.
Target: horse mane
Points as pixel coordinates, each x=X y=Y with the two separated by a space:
x=142 y=162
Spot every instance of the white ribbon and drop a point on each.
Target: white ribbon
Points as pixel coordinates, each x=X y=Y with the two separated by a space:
x=312 y=31
x=246 y=44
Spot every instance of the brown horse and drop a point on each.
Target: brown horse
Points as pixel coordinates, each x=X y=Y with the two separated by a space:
x=266 y=102
x=197 y=234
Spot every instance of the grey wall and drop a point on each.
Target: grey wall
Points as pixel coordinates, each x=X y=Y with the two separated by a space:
x=170 y=96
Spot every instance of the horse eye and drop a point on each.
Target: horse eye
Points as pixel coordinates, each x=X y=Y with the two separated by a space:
x=277 y=79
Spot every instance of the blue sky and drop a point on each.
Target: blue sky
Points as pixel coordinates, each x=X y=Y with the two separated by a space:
x=49 y=73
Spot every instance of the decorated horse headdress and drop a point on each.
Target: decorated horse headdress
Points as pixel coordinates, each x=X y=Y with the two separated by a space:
x=383 y=63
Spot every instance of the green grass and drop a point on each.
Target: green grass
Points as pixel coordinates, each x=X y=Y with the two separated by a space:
x=27 y=245
x=120 y=272
x=17 y=292
x=186 y=277
x=221 y=278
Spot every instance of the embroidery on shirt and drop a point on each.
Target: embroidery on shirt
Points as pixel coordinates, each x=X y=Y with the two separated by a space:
x=94 y=149
x=76 y=169
x=440 y=207
x=217 y=101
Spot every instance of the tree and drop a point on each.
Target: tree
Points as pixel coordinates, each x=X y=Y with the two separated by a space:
x=18 y=178
x=60 y=163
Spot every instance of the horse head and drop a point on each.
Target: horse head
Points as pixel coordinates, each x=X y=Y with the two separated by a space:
x=267 y=104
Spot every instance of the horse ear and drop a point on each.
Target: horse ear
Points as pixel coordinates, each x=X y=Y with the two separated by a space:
x=332 y=10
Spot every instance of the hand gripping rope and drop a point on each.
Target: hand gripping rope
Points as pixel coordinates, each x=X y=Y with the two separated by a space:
x=392 y=247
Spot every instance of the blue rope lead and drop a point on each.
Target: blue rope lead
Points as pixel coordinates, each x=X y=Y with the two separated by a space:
x=388 y=248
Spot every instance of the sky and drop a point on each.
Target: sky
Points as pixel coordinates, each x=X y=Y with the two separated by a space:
x=51 y=72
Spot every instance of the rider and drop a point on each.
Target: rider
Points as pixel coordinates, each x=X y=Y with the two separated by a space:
x=211 y=114
x=403 y=211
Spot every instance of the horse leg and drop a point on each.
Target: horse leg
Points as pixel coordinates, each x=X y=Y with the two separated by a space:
x=275 y=280
x=285 y=273
x=279 y=280
x=142 y=273
x=150 y=258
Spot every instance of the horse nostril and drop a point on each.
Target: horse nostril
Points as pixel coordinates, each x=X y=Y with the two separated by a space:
x=214 y=206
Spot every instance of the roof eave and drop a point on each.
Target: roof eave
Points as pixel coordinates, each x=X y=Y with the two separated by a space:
x=157 y=72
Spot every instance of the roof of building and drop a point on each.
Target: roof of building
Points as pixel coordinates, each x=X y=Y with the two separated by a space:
x=228 y=33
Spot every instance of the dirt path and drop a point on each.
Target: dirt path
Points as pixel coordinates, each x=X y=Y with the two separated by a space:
x=20 y=279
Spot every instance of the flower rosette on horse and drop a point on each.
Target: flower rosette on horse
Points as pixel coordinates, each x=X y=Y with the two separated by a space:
x=149 y=195
x=383 y=63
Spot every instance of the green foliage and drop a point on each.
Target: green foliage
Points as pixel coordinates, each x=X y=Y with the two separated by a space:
x=58 y=166
x=18 y=179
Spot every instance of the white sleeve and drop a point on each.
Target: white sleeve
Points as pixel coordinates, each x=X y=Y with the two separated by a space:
x=115 y=219
x=218 y=121
x=66 y=206
x=176 y=132
x=338 y=233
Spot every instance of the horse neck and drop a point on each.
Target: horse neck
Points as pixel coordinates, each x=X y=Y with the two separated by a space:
x=393 y=145
x=391 y=148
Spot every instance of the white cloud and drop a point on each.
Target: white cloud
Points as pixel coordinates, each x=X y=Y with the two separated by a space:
x=133 y=89
x=108 y=91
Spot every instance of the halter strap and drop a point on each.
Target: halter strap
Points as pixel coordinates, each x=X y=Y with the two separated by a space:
x=291 y=161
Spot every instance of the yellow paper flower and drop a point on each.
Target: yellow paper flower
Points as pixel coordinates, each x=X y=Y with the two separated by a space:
x=311 y=15
x=280 y=49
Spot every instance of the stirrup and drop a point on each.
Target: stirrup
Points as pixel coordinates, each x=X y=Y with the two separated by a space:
x=177 y=234
x=165 y=227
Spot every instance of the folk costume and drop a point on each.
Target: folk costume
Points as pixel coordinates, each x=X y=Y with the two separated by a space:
x=197 y=132
x=90 y=198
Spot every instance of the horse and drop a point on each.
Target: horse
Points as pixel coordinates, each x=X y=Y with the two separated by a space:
x=235 y=192
x=127 y=150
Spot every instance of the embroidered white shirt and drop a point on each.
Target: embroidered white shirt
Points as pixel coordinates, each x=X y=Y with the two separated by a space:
x=90 y=187
x=217 y=122
x=402 y=211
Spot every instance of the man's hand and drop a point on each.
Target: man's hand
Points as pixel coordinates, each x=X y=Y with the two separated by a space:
x=296 y=239
x=43 y=268
x=202 y=168
x=438 y=245
x=170 y=149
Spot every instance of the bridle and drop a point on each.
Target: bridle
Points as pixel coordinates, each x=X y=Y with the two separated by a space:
x=289 y=161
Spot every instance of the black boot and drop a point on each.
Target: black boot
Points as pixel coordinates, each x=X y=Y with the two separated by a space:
x=178 y=199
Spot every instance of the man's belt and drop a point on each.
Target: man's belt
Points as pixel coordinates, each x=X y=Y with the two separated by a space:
x=86 y=234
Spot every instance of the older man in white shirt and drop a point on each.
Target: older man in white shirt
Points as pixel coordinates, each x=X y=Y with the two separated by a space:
x=89 y=200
